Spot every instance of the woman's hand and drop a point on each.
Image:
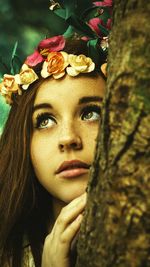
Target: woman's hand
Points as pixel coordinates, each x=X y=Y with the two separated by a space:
x=57 y=244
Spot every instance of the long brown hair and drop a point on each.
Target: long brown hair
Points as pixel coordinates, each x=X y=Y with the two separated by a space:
x=20 y=193
x=24 y=203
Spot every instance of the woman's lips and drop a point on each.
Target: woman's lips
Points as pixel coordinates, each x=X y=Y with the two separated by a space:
x=73 y=173
x=74 y=168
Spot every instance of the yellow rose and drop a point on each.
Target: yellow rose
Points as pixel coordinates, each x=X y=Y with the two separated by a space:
x=26 y=77
x=9 y=83
x=79 y=64
x=8 y=86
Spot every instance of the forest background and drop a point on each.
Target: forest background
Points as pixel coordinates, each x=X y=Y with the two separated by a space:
x=25 y=22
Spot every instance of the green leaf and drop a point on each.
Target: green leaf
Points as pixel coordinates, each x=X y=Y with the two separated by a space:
x=103 y=30
x=96 y=52
x=15 y=61
x=94 y=12
x=106 y=14
x=70 y=7
x=15 y=65
x=69 y=32
x=4 y=111
x=14 y=49
x=92 y=50
x=60 y=24
x=60 y=12
x=81 y=27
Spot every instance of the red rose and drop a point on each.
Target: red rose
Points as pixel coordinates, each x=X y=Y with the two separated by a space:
x=53 y=44
x=93 y=23
x=34 y=59
x=104 y=3
x=109 y=22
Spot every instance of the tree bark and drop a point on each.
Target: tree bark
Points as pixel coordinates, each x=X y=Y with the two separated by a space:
x=116 y=227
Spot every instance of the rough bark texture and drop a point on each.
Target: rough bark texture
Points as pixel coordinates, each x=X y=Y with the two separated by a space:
x=116 y=228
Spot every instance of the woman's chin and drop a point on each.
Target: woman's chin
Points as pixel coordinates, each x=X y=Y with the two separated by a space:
x=72 y=195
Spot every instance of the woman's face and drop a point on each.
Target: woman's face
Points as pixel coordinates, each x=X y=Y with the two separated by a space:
x=65 y=125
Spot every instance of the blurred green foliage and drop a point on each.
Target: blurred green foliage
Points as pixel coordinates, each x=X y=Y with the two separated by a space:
x=26 y=22
x=4 y=110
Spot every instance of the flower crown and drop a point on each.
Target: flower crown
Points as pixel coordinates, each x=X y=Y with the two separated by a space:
x=50 y=56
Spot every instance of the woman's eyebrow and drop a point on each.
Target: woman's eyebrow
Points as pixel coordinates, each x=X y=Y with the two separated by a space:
x=83 y=100
x=87 y=99
x=40 y=106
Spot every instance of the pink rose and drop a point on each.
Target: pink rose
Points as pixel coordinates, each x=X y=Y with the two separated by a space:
x=104 y=3
x=109 y=22
x=93 y=23
x=53 y=44
x=34 y=59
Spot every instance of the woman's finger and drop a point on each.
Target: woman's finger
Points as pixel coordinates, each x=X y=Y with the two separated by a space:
x=66 y=227
x=72 y=229
x=69 y=214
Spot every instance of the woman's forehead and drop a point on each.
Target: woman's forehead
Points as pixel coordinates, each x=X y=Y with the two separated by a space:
x=68 y=87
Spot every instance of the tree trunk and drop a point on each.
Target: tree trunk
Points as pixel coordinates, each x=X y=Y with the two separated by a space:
x=116 y=228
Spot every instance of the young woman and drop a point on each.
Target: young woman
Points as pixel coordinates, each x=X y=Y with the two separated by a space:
x=46 y=151
x=47 y=148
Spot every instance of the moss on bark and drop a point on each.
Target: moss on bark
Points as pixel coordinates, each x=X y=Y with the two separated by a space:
x=116 y=227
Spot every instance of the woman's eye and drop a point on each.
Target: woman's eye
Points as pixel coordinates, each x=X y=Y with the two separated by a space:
x=44 y=121
x=91 y=113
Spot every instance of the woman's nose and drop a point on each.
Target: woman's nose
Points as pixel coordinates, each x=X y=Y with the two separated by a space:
x=70 y=139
